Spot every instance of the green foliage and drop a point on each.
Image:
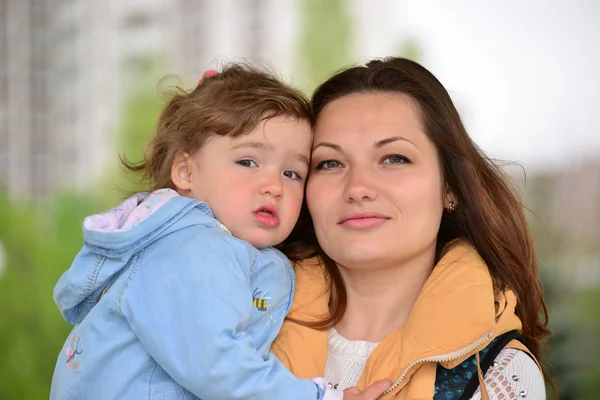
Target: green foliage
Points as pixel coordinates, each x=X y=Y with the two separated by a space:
x=589 y=305
x=137 y=125
x=325 y=45
x=139 y=121
x=410 y=49
x=574 y=354
x=564 y=368
x=40 y=244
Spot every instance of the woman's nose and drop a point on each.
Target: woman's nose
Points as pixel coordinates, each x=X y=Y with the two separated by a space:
x=359 y=187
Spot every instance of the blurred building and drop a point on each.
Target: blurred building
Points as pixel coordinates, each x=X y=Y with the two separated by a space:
x=66 y=65
x=25 y=74
x=208 y=33
x=565 y=208
x=61 y=64
x=576 y=201
x=568 y=200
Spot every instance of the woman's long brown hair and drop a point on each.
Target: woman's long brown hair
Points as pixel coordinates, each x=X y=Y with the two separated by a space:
x=489 y=215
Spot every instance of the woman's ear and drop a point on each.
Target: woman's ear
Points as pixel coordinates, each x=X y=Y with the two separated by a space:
x=450 y=201
x=181 y=173
x=450 y=198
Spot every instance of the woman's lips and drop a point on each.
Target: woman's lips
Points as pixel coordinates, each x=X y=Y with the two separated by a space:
x=362 y=220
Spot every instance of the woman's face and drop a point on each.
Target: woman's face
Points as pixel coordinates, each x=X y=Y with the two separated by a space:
x=375 y=191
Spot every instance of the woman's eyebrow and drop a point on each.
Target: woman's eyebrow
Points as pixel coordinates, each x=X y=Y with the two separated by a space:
x=330 y=145
x=379 y=144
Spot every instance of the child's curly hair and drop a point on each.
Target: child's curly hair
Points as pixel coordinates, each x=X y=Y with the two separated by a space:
x=230 y=103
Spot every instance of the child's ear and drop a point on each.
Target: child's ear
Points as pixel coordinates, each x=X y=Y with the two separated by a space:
x=181 y=173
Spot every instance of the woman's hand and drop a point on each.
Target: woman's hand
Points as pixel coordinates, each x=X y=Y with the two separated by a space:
x=370 y=393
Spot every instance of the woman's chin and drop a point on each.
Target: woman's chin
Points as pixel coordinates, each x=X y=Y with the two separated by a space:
x=361 y=255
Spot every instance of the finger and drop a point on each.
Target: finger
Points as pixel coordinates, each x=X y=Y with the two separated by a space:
x=375 y=390
x=352 y=393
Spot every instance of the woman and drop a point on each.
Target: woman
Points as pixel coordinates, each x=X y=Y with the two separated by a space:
x=430 y=271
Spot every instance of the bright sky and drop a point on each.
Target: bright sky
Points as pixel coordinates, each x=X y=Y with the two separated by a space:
x=525 y=75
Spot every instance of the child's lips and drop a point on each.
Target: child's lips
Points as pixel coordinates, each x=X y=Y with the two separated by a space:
x=267 y=216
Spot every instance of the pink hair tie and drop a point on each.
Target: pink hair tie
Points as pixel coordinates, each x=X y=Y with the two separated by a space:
x=207 y=74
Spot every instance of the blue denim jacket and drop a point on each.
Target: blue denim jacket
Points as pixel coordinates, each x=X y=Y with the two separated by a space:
x=173 y=307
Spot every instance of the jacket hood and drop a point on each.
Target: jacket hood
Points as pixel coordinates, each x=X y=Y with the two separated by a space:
x=455 y=315
x=113 y=238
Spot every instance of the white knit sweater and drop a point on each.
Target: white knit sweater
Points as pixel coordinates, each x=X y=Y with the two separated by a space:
x=514 y=375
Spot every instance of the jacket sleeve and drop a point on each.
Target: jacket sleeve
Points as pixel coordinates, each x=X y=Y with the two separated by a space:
x=190 y=305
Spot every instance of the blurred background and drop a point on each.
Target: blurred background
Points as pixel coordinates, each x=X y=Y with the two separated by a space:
x=79 y=85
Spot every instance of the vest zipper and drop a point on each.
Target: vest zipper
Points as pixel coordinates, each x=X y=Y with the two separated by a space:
x=455 y=355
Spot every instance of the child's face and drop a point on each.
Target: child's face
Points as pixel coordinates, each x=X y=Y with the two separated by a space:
x=254 y=183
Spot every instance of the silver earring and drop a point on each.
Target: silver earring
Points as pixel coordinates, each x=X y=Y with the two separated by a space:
x=451 y=206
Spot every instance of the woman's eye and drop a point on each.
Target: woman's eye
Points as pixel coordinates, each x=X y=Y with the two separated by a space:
x=328 y=164
x=292 y=175
x=395 y=159
x=246 y=163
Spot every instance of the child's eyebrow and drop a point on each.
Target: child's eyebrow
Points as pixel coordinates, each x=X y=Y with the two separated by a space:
x=301 y=157
x=256 y=145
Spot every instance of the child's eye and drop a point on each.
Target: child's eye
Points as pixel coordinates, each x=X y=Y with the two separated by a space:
x=395 y=159
x=292 y=175
x=247 y=163
x=328 y=164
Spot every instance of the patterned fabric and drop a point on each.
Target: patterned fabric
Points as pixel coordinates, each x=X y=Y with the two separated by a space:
x=129 y=213
x=346 y=359
x=515 y=375
x=132 y=211
x=450 y=384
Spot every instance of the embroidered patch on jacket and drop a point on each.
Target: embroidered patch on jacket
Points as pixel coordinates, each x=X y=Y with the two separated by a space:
x=259 y=300
x=268 y=319
x=73 y=350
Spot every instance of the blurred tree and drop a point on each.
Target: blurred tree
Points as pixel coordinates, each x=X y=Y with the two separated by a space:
x=590 y=346
x=38 y=247
x=325 y=45
x=138 y=120
x=40 y=244
x=564 y=366
x=410 y=48
x=574 y=353
x=326 y=42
